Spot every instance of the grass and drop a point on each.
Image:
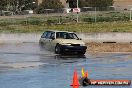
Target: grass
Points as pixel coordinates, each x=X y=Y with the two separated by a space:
x=40 y=24
x=79 y=27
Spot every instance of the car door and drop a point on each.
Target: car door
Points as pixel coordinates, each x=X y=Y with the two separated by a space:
x=52 y=41
x=48 y=40
x=43 y=38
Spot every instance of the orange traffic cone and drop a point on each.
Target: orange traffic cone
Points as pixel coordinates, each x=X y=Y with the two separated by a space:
x=75 y=87
x=86 y=74
x=75 y=81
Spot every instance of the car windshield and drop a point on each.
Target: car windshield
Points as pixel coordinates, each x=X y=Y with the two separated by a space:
x=66 y=35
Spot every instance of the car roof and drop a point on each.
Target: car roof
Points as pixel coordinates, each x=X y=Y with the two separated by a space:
x=59 y=31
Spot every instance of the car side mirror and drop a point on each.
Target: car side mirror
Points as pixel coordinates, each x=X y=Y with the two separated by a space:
x=42 y=36
x=52 y=38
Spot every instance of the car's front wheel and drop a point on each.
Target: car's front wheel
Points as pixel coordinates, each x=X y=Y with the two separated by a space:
x=82 y=53
x=57 y=49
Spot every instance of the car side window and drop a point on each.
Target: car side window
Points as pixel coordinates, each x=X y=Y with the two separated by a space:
x=60 y=34
x=48 y=35
x=44 y=35
x=52 y=35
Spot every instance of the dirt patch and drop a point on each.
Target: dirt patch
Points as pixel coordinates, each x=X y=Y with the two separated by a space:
x=109 y=47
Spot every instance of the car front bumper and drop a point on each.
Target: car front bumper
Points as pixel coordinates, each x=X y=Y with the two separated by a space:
x=68 y=48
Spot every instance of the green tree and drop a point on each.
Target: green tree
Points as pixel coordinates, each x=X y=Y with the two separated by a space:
x=26 y=4
x=91 y=3
x=18 y=5
x=3 y=4
x=29 y=4
x=100 y=3
x=72 y=3
x=84 y=3
x=49 y=4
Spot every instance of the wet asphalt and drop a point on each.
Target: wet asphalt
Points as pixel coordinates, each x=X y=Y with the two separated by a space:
x=27 y=65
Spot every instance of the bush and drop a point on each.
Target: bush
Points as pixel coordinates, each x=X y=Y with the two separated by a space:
x=5 y=23
x=35 y=22
x=32 y=22
x=52 y=21
x=88 y=19
x=106 y=18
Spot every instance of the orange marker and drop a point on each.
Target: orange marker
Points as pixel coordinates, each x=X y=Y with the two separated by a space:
x=75 y=87
x=75 y=81
x=86 y=74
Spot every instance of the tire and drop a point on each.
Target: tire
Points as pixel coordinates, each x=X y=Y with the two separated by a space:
x=40 y=44
x=57 y=49
x=81 y=53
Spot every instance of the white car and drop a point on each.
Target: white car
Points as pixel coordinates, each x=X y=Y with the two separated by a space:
x=63 y=42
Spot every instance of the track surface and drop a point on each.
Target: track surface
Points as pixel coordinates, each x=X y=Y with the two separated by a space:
x=26 y=65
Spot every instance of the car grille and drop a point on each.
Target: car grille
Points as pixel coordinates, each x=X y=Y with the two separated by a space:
x=75 y=44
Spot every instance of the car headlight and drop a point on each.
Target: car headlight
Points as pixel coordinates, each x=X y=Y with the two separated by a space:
x=66 y=44
x=82 y=45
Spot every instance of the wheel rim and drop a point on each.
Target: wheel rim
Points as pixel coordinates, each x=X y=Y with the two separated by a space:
x=57 y=49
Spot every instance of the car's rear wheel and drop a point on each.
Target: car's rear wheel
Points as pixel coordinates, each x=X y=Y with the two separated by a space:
x=41 y=44
x=57 y=49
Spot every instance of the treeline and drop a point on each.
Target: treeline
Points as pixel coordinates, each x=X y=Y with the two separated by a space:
x=19 y=5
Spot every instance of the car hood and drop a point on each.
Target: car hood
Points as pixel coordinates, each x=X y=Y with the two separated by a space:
x=71 y=41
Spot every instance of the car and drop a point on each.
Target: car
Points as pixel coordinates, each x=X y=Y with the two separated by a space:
x=62 y=42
